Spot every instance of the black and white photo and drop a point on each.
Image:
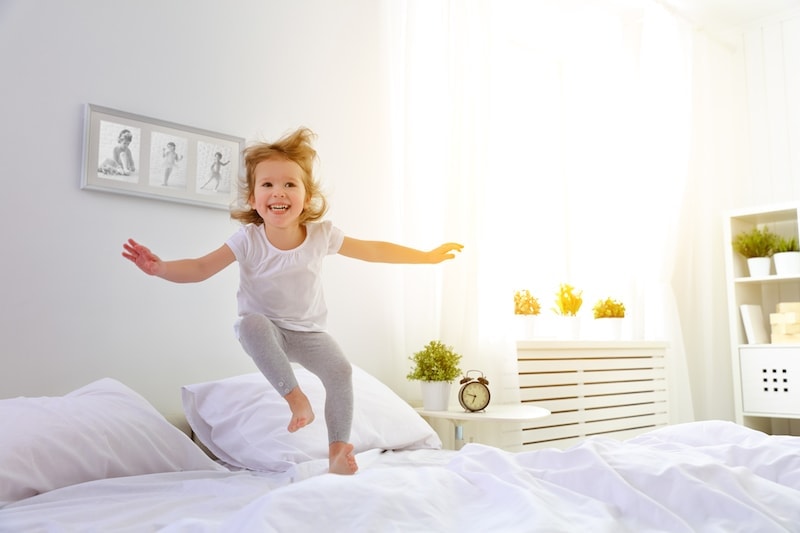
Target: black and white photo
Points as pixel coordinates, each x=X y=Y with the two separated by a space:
x=132 y=154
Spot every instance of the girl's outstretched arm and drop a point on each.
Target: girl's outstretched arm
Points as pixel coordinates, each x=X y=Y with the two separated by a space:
x=387 y=252
x=182 y=270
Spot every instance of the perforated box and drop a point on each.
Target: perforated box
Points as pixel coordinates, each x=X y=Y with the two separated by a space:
x=770 y=380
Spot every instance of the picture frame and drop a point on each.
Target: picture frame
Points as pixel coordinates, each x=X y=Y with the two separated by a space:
x=136 y=155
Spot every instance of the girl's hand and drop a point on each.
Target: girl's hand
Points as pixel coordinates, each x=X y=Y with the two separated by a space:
x=142 y=257
x=445 y=252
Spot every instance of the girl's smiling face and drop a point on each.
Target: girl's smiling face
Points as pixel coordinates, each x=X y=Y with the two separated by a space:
x=279 y=193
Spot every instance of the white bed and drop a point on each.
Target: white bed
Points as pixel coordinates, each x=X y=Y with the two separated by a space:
x=103 y=459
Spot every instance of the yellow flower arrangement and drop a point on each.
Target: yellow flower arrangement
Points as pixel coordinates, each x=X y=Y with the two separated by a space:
x=568 y=301
x=525 y=303
x=609 y=308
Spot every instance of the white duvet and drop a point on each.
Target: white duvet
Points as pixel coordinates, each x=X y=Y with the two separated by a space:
x=709 y=476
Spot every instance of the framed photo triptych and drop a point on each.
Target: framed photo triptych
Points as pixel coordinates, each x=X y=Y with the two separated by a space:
x=131 y=154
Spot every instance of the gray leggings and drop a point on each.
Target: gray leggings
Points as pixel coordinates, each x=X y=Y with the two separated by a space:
x=273 y=349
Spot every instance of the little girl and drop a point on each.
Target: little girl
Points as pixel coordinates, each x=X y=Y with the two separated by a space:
x=121 y=161
x=171 y=159
x=216 y=171
x=282 y=312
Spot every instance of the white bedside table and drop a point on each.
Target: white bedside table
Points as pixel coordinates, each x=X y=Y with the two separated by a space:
x=510 y=412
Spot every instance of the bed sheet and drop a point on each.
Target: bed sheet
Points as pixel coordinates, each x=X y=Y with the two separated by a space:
x=692 y=477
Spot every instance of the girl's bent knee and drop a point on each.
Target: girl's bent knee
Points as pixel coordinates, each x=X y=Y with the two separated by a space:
x=253 y=324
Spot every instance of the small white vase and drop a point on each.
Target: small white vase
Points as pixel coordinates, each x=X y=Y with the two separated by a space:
x=758 y=266
x=609 y=328
x=787 y=263
x=569 y=327
x=436 y=395
x=525 y=327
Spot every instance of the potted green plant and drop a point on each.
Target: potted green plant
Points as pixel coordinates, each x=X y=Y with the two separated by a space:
x=526 y=309
x=568 y=303
x=609 y=314
x=786 y=256
x=757 y=247
x=435 y=367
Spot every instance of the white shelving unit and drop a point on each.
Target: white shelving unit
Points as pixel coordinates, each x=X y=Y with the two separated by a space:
x=766 y=377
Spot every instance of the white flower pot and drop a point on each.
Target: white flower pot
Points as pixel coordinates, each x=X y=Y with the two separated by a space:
x=525 y=327
x=609 y=328
x=569 y=327
x=436 y=395
x=787 y=263
x=758 y=266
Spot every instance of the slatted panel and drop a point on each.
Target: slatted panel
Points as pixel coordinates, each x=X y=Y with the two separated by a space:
x=618 y=390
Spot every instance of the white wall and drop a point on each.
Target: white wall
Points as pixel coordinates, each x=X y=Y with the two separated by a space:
x=772 y=70
x=72 y=309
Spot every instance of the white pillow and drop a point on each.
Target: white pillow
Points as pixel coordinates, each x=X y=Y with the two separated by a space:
x=242 y=420
x=99 y=431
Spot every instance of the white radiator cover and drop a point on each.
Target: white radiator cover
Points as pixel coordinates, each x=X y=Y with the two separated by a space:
x=617 y=389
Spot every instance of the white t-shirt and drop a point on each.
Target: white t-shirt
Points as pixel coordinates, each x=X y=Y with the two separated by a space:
x=284 y=285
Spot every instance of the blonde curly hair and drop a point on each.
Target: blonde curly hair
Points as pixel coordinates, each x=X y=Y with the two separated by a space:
x=297 y=147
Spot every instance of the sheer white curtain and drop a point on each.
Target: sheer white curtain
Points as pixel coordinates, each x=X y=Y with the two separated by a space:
x=552 y=139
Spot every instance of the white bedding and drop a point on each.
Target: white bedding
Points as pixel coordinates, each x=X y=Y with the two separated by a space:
x=705 y=476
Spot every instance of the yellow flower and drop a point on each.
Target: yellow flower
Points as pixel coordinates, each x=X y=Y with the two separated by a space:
x=609 y=308
x=568 y=301
x=525 y=303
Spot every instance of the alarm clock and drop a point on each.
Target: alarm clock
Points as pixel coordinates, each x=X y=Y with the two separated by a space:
x=474 y=393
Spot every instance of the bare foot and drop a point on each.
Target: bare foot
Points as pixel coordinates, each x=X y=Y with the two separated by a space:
x=341 y=458
x=302 y=414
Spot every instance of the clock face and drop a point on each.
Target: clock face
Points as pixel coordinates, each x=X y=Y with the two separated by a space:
x=474 y=396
